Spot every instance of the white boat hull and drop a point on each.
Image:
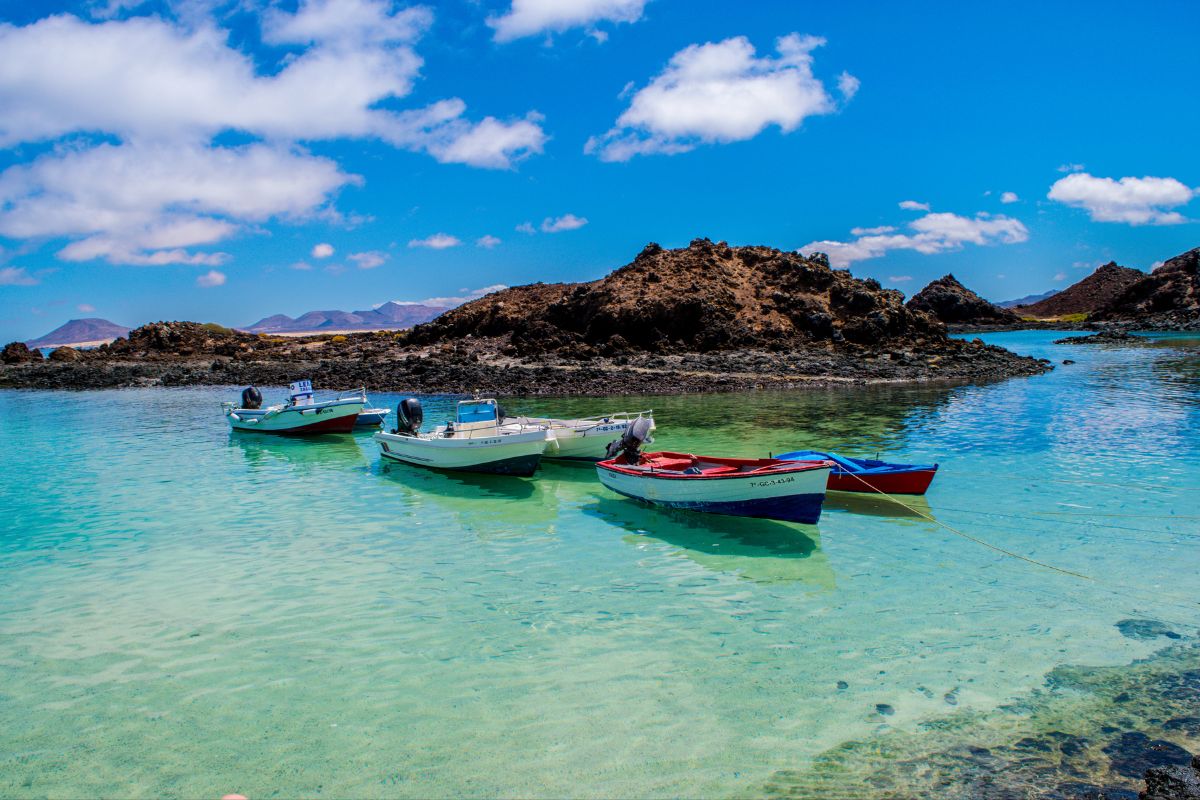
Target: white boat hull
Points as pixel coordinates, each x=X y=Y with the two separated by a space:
x=795 y=496
x=336 y=416
x=505 y=454
x=582 y=439
x=371 y=418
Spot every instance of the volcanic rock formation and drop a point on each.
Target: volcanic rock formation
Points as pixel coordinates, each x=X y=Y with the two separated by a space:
x=954 y=304
x=78 y=331
x=1093 y=292
x=18 y=353
x=1169 y=297
x=708 y=317
x=706 y=297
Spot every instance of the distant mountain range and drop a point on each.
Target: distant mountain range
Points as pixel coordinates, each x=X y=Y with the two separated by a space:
x=389 y=316
x=78 y=331
x=1028 y=299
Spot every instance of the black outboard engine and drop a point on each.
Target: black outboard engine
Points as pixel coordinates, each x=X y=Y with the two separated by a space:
x=251 y=398
x=635 y=434
x=409 y=416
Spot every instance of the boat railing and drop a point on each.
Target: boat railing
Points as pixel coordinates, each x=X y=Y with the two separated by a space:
x=599 y=419
x=499 y=429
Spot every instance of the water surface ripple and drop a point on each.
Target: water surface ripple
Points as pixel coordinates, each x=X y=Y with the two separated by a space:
x=187 y=612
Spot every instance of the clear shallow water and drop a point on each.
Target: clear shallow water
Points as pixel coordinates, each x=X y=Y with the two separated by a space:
x=187 y=612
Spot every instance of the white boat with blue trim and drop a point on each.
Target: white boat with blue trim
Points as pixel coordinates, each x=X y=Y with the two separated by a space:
x=475 y=441
x=584 y=439
x=302 y=414
x=769 y=488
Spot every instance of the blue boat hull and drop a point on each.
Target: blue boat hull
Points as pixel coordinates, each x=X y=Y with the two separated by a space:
x=802 y=508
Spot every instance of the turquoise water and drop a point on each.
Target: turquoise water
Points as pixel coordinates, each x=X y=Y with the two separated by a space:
x=187 y=612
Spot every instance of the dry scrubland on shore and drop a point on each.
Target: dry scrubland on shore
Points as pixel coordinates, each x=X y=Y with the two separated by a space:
x=708 y=317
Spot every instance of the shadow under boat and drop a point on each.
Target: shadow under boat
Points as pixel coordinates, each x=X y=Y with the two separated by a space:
x=458 y=485
x=331 y=451
x=914 y=507
x=760 y=550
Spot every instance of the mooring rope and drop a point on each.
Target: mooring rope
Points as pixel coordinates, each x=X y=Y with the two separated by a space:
x=975 y=539
x=1189 y=603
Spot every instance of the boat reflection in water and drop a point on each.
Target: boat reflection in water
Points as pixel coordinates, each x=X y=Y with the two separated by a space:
x=331 y=453
x=760 y=550
x=487 y=504
x=912 y=507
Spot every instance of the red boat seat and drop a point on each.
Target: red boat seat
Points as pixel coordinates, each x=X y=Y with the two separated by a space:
x=672 y=464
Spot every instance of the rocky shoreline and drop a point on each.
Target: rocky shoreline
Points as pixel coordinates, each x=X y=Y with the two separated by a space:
x=480 y=366
x=705 y=318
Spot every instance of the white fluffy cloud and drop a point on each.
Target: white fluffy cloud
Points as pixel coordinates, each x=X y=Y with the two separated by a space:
x=465 y=295
x=438 y=241
x=1009 y=197
x=147 y=203
x=16 y=276
x=848 y=85
x=369 y=259
x=567 y=222
x=322 y=250
x=164 y=90
x=932 y=233
x=211 y=279
x=1136 y=201
x=531 y=17
x=487 y=242
x=720 y=92
x=913 y=205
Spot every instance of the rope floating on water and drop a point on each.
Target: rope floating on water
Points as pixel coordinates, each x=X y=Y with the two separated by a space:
x=975 y=539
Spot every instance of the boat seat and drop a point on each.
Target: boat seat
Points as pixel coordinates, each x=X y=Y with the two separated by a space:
x=672 y=464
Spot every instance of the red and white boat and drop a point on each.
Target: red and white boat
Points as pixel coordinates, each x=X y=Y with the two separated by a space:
x=769 y=488
x=302 y=414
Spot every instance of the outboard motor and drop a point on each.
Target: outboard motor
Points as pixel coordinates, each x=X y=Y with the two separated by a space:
x=409 y=416
x=635 y=434
x=251 y=398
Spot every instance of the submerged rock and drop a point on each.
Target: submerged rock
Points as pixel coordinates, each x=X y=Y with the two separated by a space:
x=1173 y=782
x=1117 y=335
x=1145 y=629
x=1132 y=753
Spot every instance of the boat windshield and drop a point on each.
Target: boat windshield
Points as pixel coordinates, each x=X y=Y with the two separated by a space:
x=481 y=411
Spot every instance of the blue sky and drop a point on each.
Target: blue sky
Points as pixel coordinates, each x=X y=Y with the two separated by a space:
x=228 y=160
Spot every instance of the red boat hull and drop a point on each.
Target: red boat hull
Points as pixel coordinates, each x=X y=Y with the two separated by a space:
x=343 y=424
x=914 y=482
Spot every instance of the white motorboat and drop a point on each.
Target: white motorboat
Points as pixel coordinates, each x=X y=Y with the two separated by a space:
x=475 y=441
x=301 y=414
x=371 y=418
x=584 y=439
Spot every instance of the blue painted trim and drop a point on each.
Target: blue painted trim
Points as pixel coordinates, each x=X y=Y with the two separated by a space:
x=802 y=508
x=857 y=466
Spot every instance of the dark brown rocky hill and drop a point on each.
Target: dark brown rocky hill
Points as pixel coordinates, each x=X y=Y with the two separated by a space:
x=1092 y=293
x=702 y=298
x=704 y=318
x=954 y=304
x=1169 y=297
